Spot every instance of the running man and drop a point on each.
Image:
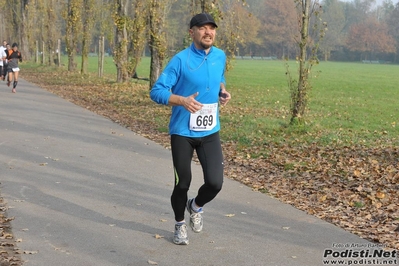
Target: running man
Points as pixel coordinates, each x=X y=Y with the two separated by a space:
x=193 y=83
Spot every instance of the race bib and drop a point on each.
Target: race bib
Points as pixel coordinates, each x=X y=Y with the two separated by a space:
x=204 y=119
x=15 y=69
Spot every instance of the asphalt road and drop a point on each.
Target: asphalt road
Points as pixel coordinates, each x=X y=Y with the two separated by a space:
x=87 y=191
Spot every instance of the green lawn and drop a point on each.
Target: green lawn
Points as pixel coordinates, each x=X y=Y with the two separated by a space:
x=350 y=103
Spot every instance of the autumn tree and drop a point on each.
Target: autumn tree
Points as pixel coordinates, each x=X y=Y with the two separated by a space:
x=244 y=28
x=37 y=22
x=237 y=29
x=157 y=41
x=258 y=27
x=307 y=9
x=104 y=25
x=369 y=38
x=88 y=22
x=121 y=39
x=103 y=30
x=16 y=20
x=385 y=10
x=279 y=27
x=137 y=34
x=176 y=33
x=72 y=16
x=334 y=16
x=24 y=45
x=357 y=11
x=51 y=31
x=393 y=27
x=32 y=25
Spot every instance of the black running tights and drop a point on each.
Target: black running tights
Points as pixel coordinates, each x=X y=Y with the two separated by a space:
x=209 y=152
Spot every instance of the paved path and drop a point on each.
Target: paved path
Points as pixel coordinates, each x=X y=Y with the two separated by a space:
x=85 y=191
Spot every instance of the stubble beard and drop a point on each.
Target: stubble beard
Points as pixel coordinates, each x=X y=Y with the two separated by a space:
x=206 y=45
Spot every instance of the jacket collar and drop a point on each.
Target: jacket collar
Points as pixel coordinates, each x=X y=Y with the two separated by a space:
x=199 y=51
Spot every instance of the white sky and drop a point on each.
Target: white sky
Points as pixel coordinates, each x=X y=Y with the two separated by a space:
x=379 y=2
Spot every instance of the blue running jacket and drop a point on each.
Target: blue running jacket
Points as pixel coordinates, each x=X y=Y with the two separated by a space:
x=188 y=72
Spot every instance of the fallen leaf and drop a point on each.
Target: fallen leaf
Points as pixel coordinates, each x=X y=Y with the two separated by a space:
x=357 y=173
x=158 y=236
x=230 y=215
x=380 y=195
x=152 y=262
x=30 y=252
x=8 y=236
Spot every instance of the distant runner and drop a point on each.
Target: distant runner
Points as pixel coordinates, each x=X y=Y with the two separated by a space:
x=14 y=56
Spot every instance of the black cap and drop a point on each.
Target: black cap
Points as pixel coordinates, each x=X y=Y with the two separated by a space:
x=14 y=45
x=202 y=19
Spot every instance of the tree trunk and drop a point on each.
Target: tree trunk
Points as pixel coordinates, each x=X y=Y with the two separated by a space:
x=155 y=68
x=138 y=37
x=24 y=46
x=85 y=55
x=72 y=31
x=157 y=39
x=300 y=99
x=87 y=20
x=37 y=52
x=43 y=53
x=101 y=57
x=121 y=41
x=58 y=52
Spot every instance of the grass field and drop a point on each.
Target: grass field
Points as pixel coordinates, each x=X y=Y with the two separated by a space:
x=350 y=103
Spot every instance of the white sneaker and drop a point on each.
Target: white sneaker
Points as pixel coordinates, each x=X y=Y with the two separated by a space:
x=180 y=237
x=196 y=220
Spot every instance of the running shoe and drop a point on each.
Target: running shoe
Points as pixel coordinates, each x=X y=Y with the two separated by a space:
x=8 y=83
x=180 y=237
x=14 y=90
x=196 y=220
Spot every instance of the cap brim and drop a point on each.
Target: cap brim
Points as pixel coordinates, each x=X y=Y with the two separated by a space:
x=204 y=23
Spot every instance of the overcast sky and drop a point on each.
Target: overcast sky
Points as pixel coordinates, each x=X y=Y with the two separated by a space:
x=379 y=2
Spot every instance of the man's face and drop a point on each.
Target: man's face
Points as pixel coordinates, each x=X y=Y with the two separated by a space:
x=203 y=36
x=4 y=43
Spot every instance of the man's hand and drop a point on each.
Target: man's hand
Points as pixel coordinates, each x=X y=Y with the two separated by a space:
x=191 y=104
x=224 y=96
